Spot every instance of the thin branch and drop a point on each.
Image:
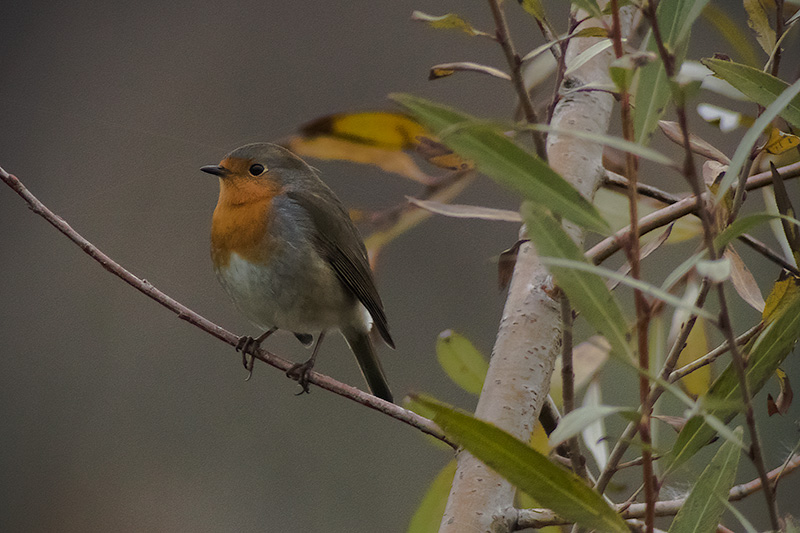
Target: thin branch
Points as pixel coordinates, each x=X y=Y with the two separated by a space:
x=697 y=186
x=712 y=356
x=666 y=215
x=568 y=385
x=515 y=65
x=643 y=309
x=538 y=518
x=184 y=313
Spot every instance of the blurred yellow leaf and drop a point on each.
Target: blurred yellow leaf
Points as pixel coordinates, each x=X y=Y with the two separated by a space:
x=393 y=131
x=343 y=150
x=613 y=206
x=780 y=142
x=697 y=382
x=428 y=515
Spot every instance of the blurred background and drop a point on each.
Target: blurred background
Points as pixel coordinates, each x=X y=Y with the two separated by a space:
x=117 y=416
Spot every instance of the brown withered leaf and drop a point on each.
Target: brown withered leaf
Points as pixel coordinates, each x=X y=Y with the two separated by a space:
x=675 y=422
x=673 y=132
x=785 y=397
x=467 y=211
x=743 y=281
x=448 y=69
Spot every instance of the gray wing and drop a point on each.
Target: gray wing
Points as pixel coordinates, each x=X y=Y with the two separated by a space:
x=340 y=243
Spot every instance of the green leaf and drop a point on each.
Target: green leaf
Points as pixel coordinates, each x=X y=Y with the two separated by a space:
x=764 y=355
x=582 y=417
x=465 y=365
x=590 y=6
x=551 y=486
x=749 y=139
x=706 y=502
x=607 y=140
x=428 y=516
x=758 y=20
x=502 y=160
x=450 y=21
x=586 y=291
x=757 y=85
x=535 y=8
x=643 y=286
x=653 y=90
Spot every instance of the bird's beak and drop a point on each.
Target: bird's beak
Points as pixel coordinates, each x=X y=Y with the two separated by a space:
x=215 y=170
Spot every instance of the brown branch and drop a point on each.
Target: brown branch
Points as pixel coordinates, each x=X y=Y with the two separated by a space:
x=666 y=215
x=538 y=518
x=184 y=313
x=515 y=65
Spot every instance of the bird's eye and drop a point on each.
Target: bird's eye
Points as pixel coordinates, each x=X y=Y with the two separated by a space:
x=256 y=170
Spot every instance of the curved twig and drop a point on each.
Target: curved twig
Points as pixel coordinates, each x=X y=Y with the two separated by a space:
x=184 y=313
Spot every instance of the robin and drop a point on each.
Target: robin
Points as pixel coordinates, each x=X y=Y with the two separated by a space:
x=290 y=258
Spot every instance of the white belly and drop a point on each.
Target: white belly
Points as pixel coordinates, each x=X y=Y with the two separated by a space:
x=306 y=300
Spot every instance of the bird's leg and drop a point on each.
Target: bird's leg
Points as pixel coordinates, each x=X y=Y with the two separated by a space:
x=248 y=343
x=300 y=371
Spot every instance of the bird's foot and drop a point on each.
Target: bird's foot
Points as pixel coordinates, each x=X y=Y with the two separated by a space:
x=247 y=345
x=244 y=345
x=300 y=372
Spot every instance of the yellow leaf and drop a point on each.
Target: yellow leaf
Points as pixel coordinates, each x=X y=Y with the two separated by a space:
x=697 y=382
x=392 y=131
x=784 y=293
x=343 y=150
x=780 y=142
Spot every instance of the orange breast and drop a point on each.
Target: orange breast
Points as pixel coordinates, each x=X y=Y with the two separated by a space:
x=241 y=221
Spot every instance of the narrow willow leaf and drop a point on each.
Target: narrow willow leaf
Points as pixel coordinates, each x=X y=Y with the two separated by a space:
x=576 y=421
x=586 y=290
x=586 y=55
x=594 y=435
x=764 y=355
x=742 y=225
x=758 y=20
x=462 y=362
x=653 y=90
x=448 y=69
x=590 y=6
x=502 y=160
x=706 y=503
x=467 y=211
x=428 y=516
x=643 y=286
x=608 y=140
x=698 y=145
x=450 y=21
x=553 y=487
x=786 y=209
x=744 y=282
x=535 y=8
x=757 y=85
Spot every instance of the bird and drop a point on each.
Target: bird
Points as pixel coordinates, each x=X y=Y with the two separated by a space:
x=290 y=258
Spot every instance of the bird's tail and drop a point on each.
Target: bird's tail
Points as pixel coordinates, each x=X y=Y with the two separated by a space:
x=368 y=361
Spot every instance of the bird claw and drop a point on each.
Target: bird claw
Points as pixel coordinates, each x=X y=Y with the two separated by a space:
x=300 y=372
x=244 y=345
